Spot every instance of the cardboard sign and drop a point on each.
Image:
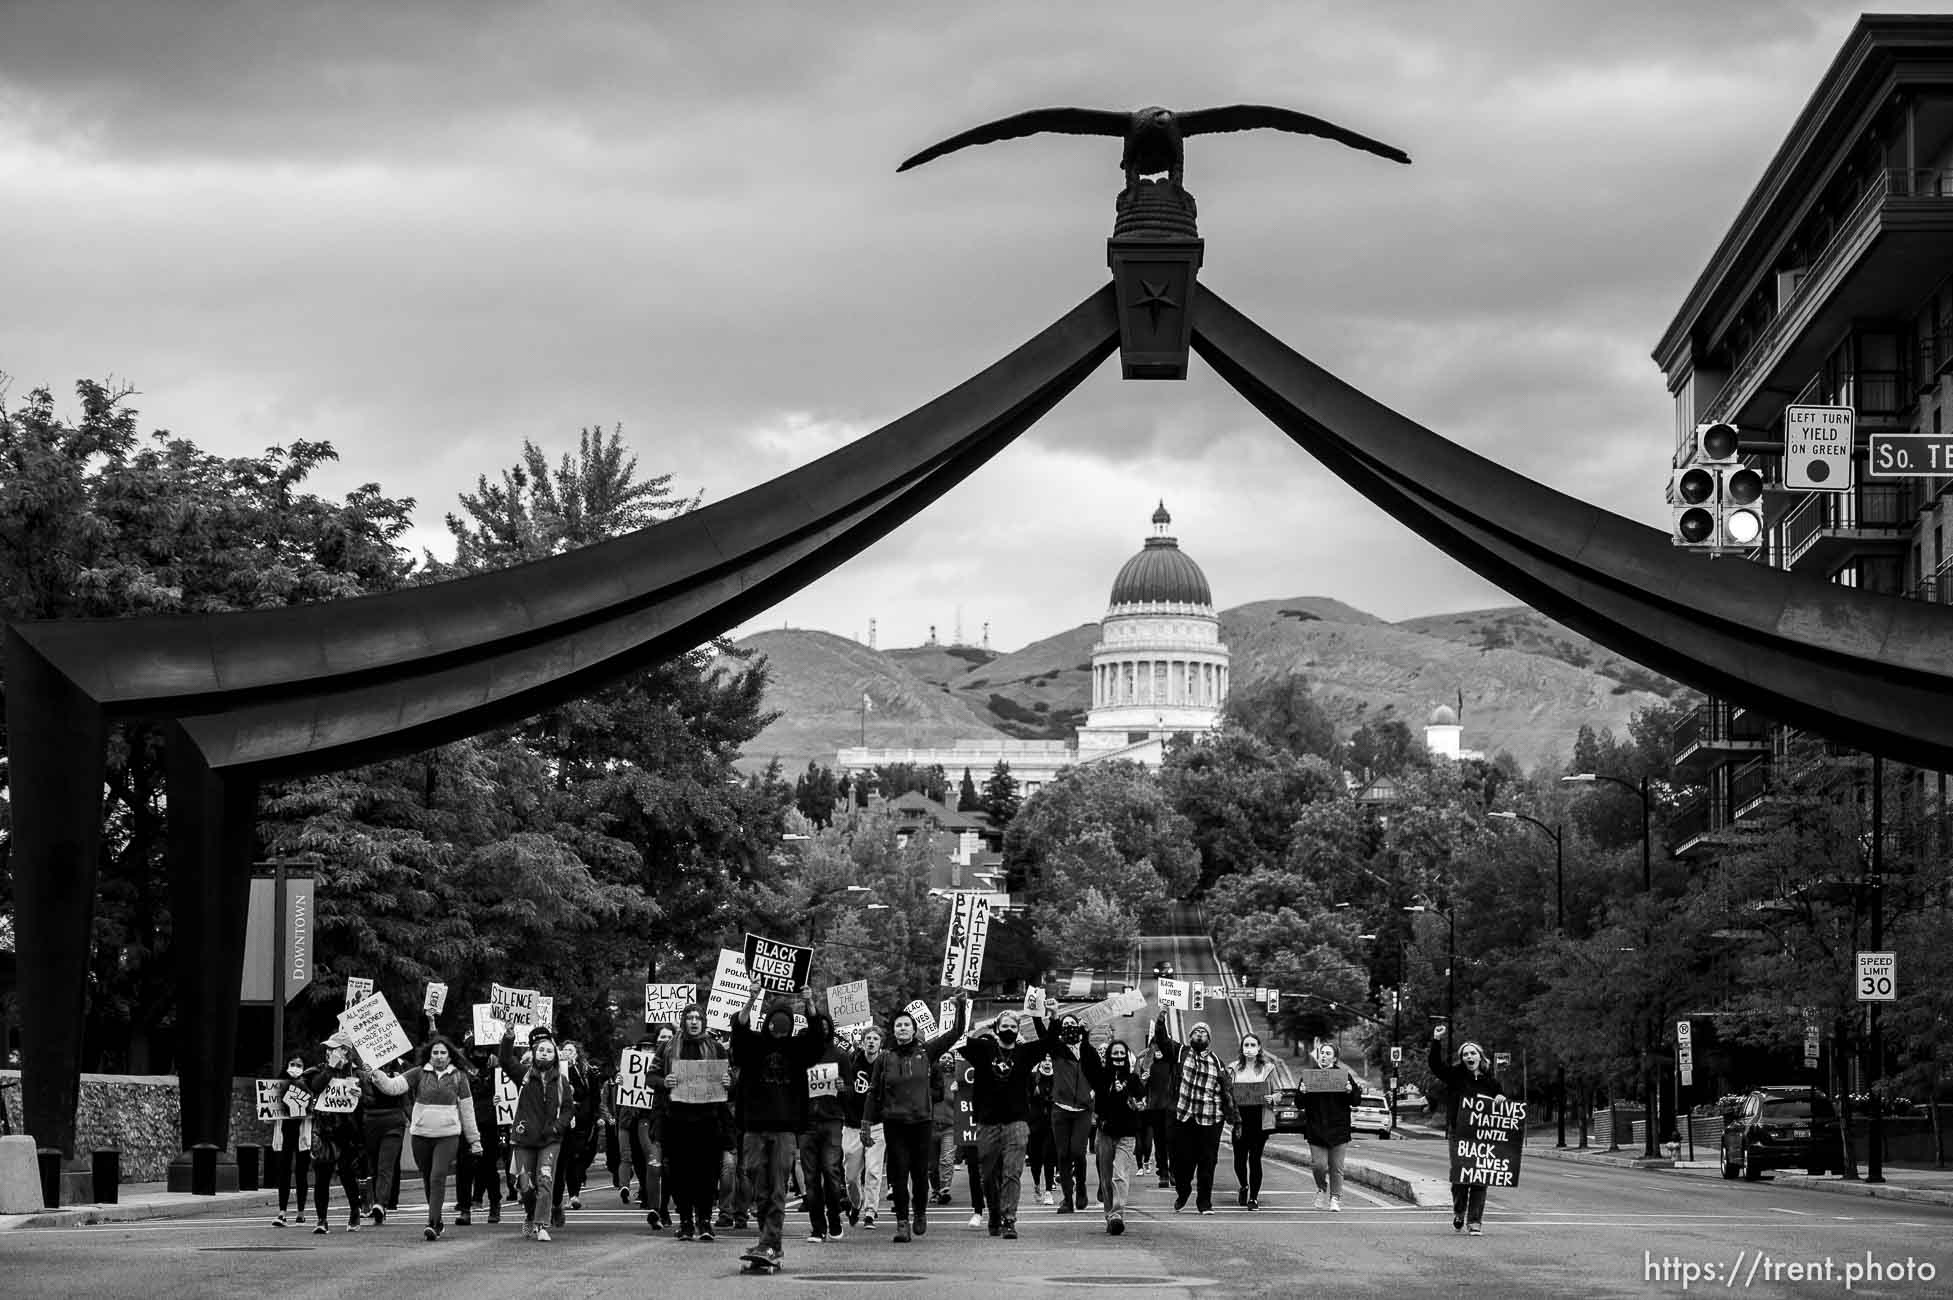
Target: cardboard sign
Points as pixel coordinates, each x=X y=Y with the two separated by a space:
x=436 y=1000
x=698 y=1083
x=1336 y=1080
x=966 y=1125
x=358 y=987
x=731 y=990
x=341 y=1096
x=664 y=1003
x=376 y=1034
x=925 y=1019
x=969 y=930
x=1034 y=1001
x=1253 y=1095
x=1081 y=984
x=1274 y=1001
x=513 y=1006
x=505 y=1093
x=781 y=967
x=1486 y=1146
x=1174 y=994
x=1119 y=1004
x=488 y=1028
x=824 y=1080
x=946 y=1016
x=634 y=1079
x=271 y=1099
x=546 y=1011
x=847 y=1004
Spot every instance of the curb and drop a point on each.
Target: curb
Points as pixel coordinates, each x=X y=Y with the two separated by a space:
x=187 y=1207
x=1817 y=1183
x=1399 y=1184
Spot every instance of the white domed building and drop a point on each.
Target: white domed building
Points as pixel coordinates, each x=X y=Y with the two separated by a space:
x=1159 y=669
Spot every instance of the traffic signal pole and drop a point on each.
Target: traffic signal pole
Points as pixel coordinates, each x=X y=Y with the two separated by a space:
x=1874 y=1158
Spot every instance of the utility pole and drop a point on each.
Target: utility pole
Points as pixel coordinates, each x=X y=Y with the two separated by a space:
x=1874 y=1157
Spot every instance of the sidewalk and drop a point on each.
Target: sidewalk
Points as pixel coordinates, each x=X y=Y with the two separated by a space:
x=1925 y=1186
x=139 y=1201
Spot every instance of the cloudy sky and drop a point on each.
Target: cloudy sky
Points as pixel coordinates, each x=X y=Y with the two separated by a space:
x=424 y=230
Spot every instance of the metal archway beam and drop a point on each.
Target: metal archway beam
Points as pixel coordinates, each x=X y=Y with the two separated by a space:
x=1872 y=671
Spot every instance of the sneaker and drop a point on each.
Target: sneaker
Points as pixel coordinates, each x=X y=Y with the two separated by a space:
x=378 y=1214
x=352 y=1224
x=278 y=1222
x=1115 y=1227
x=1475 y=1230
x=429 y=1232
x=835 y=1231
x=685 y=1233
x=921 y=1220
x=1321 y=1202
x=494 y=1214
x=624 y=1195
x=1065 y=1208
x=815 y=1239
x=725 y=1219
x=705 y=1234
x=1179 y=1204
x=542 y=1233
x=976 y=1220
x=1010 y=1230
x=1336 y=1204
x=1044 y=1197
x=1457 y=1223
x=528 y=1232
x=739 y=1222
x=576 y=1203
x=854 y=1214
x=299 y=1217
x=1208 y=1210
x=996 y=1229
x=652 y=1222
x=942 y=1198
x=321 y=1230
x=901 y=1231
x=1241 y=1196
x=868 y=1219
x=463 y=1218
x=1254 y=1202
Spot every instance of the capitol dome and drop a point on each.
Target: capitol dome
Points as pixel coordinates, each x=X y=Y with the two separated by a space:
x=1443 y=716
x=1162 y=573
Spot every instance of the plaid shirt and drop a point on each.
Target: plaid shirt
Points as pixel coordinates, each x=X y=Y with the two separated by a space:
x=1203 y=1088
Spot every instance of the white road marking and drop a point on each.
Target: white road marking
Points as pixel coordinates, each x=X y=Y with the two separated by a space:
x=1778 y=1209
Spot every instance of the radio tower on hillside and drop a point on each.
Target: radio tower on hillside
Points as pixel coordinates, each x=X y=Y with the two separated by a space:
x=986 y=636
x=959 y=627
x=871 y=634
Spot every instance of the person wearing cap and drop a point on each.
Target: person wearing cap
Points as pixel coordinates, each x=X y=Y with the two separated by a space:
x=336 y=1138
x=773 y=1064
x=1470 y=1077
x=694 y=1132
x=545 y=1106
x=1203 y=1105
x=1325 y=1125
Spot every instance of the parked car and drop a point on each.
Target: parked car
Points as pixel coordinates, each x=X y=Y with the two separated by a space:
x=1288 y=1111
x=1372 y=1115
x=1784 y=1127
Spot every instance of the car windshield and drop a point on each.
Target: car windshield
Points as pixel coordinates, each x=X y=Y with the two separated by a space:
x=1791 y=1108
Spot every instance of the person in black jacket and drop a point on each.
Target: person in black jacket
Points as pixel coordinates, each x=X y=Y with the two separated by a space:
x=1325 y=1124
x=1470 y=1077
x=1003 y=1073
x=693 y=1132
x=480 y=1174
x=773 y=1065
x=1119 y=1100
x=337 y=1144
x=545 y=1104
x=899 y=1103
x=580 y=1145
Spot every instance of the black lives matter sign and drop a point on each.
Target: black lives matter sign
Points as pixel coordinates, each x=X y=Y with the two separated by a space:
x=1485 y=1145
x=780 y=967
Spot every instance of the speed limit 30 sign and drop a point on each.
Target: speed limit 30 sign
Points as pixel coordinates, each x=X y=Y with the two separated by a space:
x=1878 y=977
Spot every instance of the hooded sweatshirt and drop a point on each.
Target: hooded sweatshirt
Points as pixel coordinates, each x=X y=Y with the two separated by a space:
x=1003 y=1075
x=444 y=1105
x=1071 y=1089
x=1119 y=1092
x=856 y=1076
x=773 y=1072
x=898 y=1091
x=1460 y=1083
x=545 y=1103
x=827 y=1109
x=1325 y=1115
x=685 y=1047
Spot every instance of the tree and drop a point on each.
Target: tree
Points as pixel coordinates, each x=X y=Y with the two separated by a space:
x=967 y=798
x=1000 y=801
x=815 y=793
x=1097 y=931
x=1384 y=747
x=1283 y=713
x=1241 y=795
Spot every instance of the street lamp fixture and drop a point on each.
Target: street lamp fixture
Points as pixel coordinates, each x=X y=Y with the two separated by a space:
x=1559 y=923
x=1649 y=1151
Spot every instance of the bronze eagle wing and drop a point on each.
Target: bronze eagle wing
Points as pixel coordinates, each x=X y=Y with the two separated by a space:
x=1062 y=121
x=1248 y=117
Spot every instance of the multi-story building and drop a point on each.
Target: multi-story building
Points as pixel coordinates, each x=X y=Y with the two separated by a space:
x=1833 y=287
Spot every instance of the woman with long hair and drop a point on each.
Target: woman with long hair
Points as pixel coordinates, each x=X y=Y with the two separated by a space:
x=443 y=1114
x=1258 y=1081
x=337 y=1137
x=1325 y=1122
x=899 y=1100
x=291 y=1139
x=1470 y=1077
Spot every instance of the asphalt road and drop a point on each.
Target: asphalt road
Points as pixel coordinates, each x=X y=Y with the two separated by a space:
x=1566 y=1231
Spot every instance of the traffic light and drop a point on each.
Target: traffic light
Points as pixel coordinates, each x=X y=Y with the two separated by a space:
x=1717 y=500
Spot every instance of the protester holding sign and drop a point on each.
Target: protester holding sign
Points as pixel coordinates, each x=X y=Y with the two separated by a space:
x=824 y=1184
x=1162 y=1087
x=479 y=1174
x=443 y=1117
x=545 y=1105
x=773 y=1065
x=1470 y=1077
x=899 y=1100
x=1331 y=1091
x=1202 y=1103
x=637 y=1120
x=291 y=1138
x=336 y=1135
x=696 y=1124
x=383 y=1101
x=1119 y=1096
x=1258 y=1077
x=1003 y=1072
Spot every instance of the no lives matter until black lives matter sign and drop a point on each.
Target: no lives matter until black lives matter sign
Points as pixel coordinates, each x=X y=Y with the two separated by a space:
x=782 y=967
x=1485 y=1146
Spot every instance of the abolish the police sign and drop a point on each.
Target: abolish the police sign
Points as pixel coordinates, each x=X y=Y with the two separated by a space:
x=1485 y=1147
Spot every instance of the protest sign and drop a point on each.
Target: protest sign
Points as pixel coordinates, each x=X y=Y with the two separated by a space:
x=824 y=1080
x=341 y=1096
x=1104 y=1013
x=925 y=1019
x=1486 y=1144
x=488 y=1028
x=1324 y=1080
x=731 y=990
x=271 y=1095
x=436 y=1000
x=357 y=987
x=966 y=1125
x=376 y=1034
x=1034 y=1001
x=969 y=930
x=664 y=1003
x=513 y=1006
x=1173 y=994
x=946 y=1016
x=546 y=1011
x=698 y=1083
x=847 y=1004
x=781 y=967
x=634 y=1079
x=1081 y=984
x=505 y=1094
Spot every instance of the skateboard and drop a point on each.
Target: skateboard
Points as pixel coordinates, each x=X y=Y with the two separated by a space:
x=756 y=1262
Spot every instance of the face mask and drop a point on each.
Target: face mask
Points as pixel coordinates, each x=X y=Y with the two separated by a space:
x=1073 y=1033
x=1199 y=1040
x=1006 y=1035
x=294 y=1070
x=1251 y=1049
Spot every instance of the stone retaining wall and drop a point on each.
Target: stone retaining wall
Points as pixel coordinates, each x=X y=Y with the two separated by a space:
x=138 y=1115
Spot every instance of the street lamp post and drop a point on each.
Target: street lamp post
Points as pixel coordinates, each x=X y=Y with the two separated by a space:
x=1652 y=1086
x=1396 y=1023
x=1450 y=960
x=1558 y=835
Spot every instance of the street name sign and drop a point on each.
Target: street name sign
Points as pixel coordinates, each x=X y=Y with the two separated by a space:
x=1817 y=448
x=1909 y=455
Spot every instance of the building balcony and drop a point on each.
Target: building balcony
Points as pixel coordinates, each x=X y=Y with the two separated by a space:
x=1827 y=528
x=1749 y=788
x=1892 y=241
x=1715 y=732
